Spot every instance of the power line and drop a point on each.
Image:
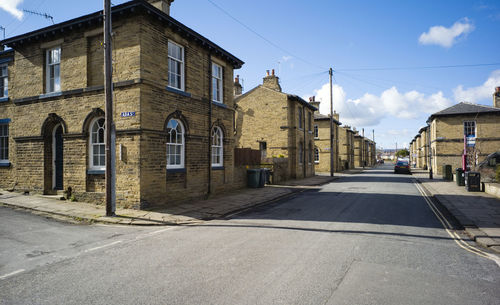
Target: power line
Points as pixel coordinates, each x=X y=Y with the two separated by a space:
x=419 y=67
x=264 y=38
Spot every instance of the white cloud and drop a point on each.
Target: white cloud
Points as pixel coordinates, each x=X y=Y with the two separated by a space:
x=11 y=7
x=446 y=37
x=475 y=94
x=370 y=109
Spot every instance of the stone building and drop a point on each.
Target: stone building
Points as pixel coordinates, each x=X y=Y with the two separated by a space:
x=321 y=130
x=346 y=147
x=358 y=150
x=449 y=128
x=423 y=148
x=278 y=124
x=173 y=109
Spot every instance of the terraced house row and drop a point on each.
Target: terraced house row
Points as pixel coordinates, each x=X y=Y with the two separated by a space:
x=464 y=134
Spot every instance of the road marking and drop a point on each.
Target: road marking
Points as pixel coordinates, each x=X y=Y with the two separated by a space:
x=448 y=228
x=11 y=274
x=104 y=246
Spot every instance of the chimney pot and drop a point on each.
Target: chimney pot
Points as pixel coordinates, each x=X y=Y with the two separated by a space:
x=496 y=98
x=272 y=71
x=267 y=72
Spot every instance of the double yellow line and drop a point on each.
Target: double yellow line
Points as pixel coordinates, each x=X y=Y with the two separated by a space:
x=449 y=229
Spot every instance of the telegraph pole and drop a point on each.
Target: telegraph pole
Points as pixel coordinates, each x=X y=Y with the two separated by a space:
x=331 y=122
x=110 y=126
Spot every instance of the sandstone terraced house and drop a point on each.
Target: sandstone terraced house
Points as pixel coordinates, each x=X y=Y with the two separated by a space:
x=278 y=124
x=450 y=126
x=322 y=140
x=173 y=109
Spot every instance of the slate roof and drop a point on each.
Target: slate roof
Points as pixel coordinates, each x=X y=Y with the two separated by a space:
x=291 y=97
x=464 y=108
x=128 y=9
x=321 y=117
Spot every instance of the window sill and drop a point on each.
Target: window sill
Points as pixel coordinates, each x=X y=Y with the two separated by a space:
x=50 y=94
x=316 y=162
x=316 y=138
x=4 y=164
x=4 y=99
x=217 y=168
x=175 y=170
x=96 y=172
x=178 y=91
x=219 y=104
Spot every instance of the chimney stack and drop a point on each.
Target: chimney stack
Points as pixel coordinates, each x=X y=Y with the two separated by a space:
x=162 y=5
x=496 y=98
x=336 y=116
x=312 y=101
x=238 y=89
x=271 y=81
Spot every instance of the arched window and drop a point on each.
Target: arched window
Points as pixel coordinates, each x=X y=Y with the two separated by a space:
x=97 y=154
x=175 y=144
x=316 y=155
x=217 y=147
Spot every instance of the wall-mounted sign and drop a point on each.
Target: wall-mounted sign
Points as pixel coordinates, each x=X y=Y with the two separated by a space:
x=127 y=114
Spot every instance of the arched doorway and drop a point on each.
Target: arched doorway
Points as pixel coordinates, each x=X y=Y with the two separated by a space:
x=53 y=130
x=57 y=158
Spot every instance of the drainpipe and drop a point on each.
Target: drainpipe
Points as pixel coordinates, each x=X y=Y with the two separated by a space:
x=209 y=191
x=305 y=145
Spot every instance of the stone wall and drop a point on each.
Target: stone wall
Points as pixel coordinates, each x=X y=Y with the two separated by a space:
x=140 y=87
x=447 y=139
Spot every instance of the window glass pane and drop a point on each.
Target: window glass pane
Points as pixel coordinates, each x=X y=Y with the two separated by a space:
x=102 y=160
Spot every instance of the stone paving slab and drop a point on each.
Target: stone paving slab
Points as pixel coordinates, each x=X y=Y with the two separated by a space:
x=477 y=212
x=183 y=213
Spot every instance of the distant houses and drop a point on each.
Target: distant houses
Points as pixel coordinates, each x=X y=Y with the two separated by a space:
x=462 y=136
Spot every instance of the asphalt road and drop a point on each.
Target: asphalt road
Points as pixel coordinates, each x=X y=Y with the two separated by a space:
x=363 y=239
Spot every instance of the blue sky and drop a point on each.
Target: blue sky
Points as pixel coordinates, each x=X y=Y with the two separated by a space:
x=308 y=37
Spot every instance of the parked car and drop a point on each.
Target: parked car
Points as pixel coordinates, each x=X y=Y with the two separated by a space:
x=402 y=167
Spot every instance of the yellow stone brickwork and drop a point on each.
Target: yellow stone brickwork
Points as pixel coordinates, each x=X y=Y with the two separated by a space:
x=140 y=79
x=447 y=138
x=267 y=115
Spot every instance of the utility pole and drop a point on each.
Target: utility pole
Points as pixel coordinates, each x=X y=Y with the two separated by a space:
x=331 y=122
x=110 y=126
x=363 y=148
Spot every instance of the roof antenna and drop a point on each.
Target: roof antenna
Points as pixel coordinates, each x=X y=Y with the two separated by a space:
x=45 y=15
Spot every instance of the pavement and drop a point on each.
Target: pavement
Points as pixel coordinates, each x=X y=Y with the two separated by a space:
x=218 y=206
x=477 y=212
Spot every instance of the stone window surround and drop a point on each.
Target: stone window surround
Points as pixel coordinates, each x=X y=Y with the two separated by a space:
x=5 y=162
x=5 y=81
x=301 y=117
x=182 y=60
x=217 y=131
x=219 y=83
x=48 y=65
x=92 y=167
x=467 y=127
x=182 y=146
